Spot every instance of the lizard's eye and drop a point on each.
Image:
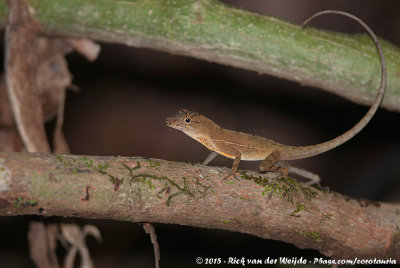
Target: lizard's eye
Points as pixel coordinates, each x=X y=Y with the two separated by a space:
x=187 y=120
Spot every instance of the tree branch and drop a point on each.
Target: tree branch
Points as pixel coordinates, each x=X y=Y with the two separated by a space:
x=149 y=190
x=344 y=64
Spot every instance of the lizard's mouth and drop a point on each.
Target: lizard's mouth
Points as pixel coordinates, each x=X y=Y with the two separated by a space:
x=176 y=121
x=170 y=122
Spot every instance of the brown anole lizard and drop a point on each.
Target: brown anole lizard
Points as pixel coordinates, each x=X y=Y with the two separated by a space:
x=243 y=146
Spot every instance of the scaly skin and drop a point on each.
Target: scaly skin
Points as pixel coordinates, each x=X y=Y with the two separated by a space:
x=243 y=146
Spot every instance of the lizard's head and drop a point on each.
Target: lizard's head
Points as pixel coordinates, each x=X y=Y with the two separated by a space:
x=187 y=121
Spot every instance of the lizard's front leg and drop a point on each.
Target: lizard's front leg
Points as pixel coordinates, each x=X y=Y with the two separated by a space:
x=230 y=152
x=270 y=163
x=235 y=165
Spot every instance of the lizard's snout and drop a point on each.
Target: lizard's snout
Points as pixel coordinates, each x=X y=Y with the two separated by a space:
x=178 y=120
x=168 y=121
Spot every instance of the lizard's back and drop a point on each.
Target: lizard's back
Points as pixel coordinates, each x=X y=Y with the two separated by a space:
x=250 y=146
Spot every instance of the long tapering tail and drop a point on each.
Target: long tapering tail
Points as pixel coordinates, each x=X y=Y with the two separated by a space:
x=292 y=153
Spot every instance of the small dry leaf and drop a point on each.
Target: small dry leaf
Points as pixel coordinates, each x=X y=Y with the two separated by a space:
x=60 y=145
x=36 y=78
x=76 y=237
x=86 y=47
x=29 y=56
x=93 y=231
x=52 y=235
x=42 y=245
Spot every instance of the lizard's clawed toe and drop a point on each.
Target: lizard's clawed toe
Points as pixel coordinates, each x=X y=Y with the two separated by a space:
x=231 y=176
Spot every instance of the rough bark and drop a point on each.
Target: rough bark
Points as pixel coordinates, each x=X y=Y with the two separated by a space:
x=150 y=190
x=344 y=64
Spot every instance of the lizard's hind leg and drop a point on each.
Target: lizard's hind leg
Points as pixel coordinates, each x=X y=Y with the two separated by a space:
x=271 y=163
x=312 y=177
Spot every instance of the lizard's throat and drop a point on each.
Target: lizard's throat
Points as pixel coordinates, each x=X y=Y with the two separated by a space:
x=191 y=134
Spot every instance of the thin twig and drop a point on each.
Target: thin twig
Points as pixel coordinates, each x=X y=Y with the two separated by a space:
x=149 y=229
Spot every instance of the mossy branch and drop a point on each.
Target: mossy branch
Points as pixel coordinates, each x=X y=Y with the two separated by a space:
x=149 y=190
x=346 y=65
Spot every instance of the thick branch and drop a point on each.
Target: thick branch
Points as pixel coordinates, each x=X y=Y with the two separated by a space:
x=347 y=65
x=148 y=190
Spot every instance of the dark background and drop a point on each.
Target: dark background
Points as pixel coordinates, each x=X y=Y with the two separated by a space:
x=127 y=93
